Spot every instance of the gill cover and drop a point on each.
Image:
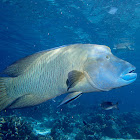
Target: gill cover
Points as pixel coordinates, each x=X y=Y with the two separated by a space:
x=94 y=77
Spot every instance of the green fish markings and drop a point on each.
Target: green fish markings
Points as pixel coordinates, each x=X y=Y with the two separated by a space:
x=74 y=69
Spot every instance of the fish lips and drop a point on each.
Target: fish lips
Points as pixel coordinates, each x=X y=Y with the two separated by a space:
x=128 y=75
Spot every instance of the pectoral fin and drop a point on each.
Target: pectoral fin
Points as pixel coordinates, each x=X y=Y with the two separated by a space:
x=70 y=97
x=73 y=78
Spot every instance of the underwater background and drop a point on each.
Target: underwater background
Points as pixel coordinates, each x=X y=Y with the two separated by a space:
x=29 y=26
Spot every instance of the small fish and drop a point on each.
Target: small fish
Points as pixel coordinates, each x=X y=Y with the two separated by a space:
x=109 y=105
x=84 y=122
x=73 y=69
x=72 y=105
x=123 y=46
x=113 y=10
x=70 y=97
x=53 y=99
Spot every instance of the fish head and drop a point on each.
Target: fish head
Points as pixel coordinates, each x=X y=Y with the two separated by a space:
x=106 y=71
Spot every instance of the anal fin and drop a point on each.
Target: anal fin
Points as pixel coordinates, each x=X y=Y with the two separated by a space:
x=26 y=101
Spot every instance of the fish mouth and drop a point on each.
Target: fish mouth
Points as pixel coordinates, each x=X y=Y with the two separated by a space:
x=129 y=75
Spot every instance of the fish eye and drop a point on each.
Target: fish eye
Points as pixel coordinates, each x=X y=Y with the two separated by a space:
x=107 y=57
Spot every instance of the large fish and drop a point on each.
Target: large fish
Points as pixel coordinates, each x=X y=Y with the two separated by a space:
x=78 y=68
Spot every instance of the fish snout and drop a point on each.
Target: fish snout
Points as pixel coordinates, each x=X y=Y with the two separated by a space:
x=128 y=75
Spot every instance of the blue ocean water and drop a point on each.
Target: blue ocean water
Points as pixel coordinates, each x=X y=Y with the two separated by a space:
x=30 y=26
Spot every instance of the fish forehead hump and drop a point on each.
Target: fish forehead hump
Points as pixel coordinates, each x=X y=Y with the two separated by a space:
x=101 y=48
x=95 y=51
x=92 y=48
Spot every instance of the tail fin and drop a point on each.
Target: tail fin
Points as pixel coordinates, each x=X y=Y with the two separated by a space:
x=5 y=100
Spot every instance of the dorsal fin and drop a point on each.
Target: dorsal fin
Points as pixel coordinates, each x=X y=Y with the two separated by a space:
x=22 y=65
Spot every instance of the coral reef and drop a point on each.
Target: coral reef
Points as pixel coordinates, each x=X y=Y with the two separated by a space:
x=18 y=128
x=13 y=128
x=67 y=124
